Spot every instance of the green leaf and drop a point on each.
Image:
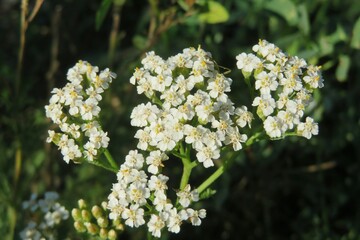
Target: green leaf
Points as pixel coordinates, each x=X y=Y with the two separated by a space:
x=207 y=193
x=304 y=19
x=102 y=12
x=139 y=42
x=285 y=8
x=216 y=13
x=343 y=68
x=355 y=41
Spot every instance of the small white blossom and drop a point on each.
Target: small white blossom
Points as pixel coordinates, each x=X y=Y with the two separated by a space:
x=155 y=225
x=308 y=128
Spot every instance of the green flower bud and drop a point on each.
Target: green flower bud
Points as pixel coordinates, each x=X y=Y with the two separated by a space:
x=118 y=225
x=104 y=205
x=86 y=216
x=92 y=228
x=76 y=214
x=102 y=222
x=79 y=226
x=112 y=234
x=103 y=233
x=97 y=212
x=82 y=204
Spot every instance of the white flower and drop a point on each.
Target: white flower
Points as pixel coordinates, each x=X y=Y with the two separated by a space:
x=144 y=138
x=219 y=85
x=244 y=116
x=90 y=127
x=54 y=217
x=234 y=138
x=174 y=221
x=155 y=225
x=186 y=196
x=288 y=118
x=247 y=62
x=267 y=50
x=30 y=232
x=313 y=77
x=273 y=126
x=105 y=77
x=144 y=114
x=223 y=124
x=155 y=161
x=165 y=142
x=308 y=128
x=89 y=109
x=91 y=151
x=160 y=82
x=161 y=202
x=266 y=82
x=134 y=216
x=138 y=193
x=70 y=151
x=194 y=135
x=99 y=139
x=265 y=103
x=94 y=93
x=194 y=216
x=206 y=153
x=134 y=159
x=158 y=183
x=291 y=83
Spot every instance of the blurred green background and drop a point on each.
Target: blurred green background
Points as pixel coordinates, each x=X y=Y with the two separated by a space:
x=290 y=189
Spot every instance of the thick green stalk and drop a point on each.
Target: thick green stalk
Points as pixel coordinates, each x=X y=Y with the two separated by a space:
x=187 y=165
x=187 y=168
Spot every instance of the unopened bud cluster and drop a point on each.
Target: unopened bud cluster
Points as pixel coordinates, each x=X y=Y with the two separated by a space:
x=48 y=214
x=95 y=221
x=285 y=85
x=75 y=109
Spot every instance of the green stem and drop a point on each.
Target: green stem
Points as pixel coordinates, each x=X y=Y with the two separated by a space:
x=99 y=164
x=187 y=168
x=111 y=160
x=213 y=177
x=254 y=138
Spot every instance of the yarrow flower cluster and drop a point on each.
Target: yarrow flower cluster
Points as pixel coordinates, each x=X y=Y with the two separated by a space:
x=51 y=214
x=188 y=105
x=189 y=116
x=191 y=105
x=75 y=109
x=285 y=85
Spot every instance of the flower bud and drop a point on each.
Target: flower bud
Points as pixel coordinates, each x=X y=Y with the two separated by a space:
x=118 y=225
x=96 y=211
x=104 y=205
x=76 y=214
x=103 y=233
x=86 y=216
x=92 y=228
x=102 y=222
x=112 y=234
x=82 y=204
x=79 y=226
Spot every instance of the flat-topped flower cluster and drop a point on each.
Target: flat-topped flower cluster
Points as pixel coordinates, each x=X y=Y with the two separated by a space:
x=51 y=214
x=189 y=116
x=75 y=109
x=285 y=85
